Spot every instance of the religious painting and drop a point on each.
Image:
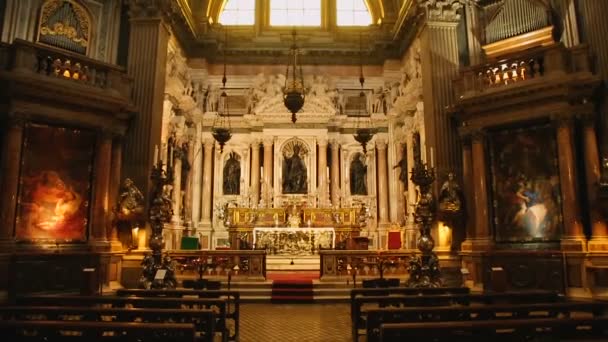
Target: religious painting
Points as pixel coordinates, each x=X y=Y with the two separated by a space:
x=55 y=184
x=295 y=175
x=358 y=175
x=525 y=185
x=232 y=175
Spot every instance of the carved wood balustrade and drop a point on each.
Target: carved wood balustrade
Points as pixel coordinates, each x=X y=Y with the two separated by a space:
x=365 y=264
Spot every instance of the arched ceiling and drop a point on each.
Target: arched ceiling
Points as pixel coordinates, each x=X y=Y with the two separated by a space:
x=202 y=36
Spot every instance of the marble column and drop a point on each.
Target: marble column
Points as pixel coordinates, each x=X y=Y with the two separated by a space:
x=115 y=185
x=573 y=239
x=482 y=236
x=599 y=230
x=335 y=173
x=382 y=183
x=207 y=182
x=176 y=160
x=322 y=172
x=268 y=168
x=146 y=64
x=474 y=33
x=440 y=64
x=467 y=185
x=101 y=206
x=255 y=173
x=189 y=191
x=197 y=174
x=9 y=179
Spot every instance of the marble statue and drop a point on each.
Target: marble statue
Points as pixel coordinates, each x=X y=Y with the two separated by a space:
x=358 y=175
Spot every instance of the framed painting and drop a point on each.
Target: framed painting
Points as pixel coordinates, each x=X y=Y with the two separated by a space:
x=54 y=184
x=525 y=185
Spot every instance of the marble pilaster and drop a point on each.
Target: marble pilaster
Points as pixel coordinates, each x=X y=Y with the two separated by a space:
x=197 y=174
x=383 y=218
x=335 y=173
x=101 y=186
x=207 y=182
x=9 y=179
x=268 y=168
x=322 y=172
x=115 y=166
x=255 y=173
x=176 y=160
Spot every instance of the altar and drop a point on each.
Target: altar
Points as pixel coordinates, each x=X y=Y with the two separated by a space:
x=293 y=240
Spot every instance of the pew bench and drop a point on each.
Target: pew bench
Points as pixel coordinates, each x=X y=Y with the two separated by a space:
x=358 y=316
x=202 y=319
x=233 y=297
x=507 y=330
x=218 y=305
x=83 y=331
x=376 y=317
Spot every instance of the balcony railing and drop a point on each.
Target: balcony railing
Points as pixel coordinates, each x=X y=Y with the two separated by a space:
x=521 y=67
x=29 y=58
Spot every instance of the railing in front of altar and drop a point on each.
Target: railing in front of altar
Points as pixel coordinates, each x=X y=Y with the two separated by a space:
x=343 y=264
x=221 y=263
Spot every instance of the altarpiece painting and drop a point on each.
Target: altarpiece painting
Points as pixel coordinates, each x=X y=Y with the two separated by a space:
x=55 y=184
x=525 y=185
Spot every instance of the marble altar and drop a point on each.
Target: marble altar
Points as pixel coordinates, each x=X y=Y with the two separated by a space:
x=292 y=240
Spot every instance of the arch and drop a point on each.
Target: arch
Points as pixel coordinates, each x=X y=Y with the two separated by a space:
x=237 y=12
x=353 y=13
x=65 y=24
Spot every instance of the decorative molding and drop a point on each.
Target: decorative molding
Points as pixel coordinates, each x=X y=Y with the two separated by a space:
x=442 y=10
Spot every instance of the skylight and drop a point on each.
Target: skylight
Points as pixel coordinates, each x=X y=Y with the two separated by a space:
x=238 y=12
x=352 y=13
x=295 y=12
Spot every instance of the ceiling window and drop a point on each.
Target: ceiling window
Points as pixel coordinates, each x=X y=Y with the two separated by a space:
x=238 y=12
x=352 y=13
x=295 y=12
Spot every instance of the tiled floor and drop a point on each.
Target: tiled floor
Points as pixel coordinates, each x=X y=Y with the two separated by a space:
x=295 y=323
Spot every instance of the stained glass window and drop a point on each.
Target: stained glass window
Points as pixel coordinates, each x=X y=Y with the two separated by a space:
x=238 y=12
x=295 y=12
x=352 y=13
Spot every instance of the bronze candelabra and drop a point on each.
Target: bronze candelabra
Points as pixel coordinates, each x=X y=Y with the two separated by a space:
x=158 y=270
x=424 y=268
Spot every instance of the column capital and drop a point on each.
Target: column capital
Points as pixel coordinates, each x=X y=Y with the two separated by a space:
x=562 y=120
x=322 y=142
x=478 y=135
x=447 y=11
x=335 y=144
x=208 y=143
x=142 y=9
x=268 y=141
x=255 y=143
x=17 y=120
x=381 y=144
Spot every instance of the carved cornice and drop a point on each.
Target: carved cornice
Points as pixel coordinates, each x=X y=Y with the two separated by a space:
x=441 y=10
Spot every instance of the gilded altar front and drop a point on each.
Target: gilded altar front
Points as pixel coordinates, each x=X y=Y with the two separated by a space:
x=307 y=224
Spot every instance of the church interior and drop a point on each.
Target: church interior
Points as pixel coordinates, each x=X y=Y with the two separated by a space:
x=304 y=170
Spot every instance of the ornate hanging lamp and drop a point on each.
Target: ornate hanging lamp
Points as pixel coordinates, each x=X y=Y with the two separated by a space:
x=363 y=133
x=221 y=125
x=293 y=94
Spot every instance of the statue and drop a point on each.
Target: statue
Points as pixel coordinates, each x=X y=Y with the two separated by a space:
x=128 y=212
x=450 y=196
x=232 y=175
x=294 y=173
x=403 y=165
x=358 y=175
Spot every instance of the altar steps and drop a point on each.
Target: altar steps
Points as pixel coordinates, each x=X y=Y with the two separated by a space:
x=293 y=263
x=292 y=292
x=262 y=292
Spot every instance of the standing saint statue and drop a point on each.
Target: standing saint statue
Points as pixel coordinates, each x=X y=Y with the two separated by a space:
x=358 y=175
x=294 y=173
x=232 y=175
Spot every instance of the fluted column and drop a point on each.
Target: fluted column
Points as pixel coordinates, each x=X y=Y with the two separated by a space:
x=148 y=41
x=189 y=191
x=440 y=64
x=322 y=172
x=573 y=228
x=382 y=183
x=197 y=174
x=599 y=230
x=101 y=186
x=207 y=182
x=115 y=166
x=268 y=167
x=9 y=178
x=176 y=160
x=480 y=193
x=255 y=173
x=335 y=173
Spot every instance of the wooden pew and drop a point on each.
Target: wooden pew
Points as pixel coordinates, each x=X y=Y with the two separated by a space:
x=359 y=320
x=376 y=317
x=355 y=293
x=219 y=305
x=511 y=330
x=232 y=311
x=202 y=319
x=60 y=331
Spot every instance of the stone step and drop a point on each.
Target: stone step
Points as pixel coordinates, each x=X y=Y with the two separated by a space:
x=293 y=263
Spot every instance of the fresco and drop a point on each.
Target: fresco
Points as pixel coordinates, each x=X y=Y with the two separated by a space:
x=55 y=184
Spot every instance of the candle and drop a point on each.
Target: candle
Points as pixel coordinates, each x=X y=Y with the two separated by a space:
x=262 y=171
x=432 y=159
x=155 y=154
x=171 y=158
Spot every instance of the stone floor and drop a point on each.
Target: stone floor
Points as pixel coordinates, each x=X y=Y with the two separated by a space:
x=295 y=322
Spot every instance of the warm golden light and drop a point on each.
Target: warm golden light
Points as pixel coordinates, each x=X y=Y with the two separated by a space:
x=352 y=13
x=238 y=12
x=295 y=13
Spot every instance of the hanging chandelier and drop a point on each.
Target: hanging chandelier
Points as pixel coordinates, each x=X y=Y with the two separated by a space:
x=221 y=126
x=293 y=94
x=363 y=133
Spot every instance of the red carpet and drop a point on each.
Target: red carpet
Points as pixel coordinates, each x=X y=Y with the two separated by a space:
x=292 y=275
x=292 y=291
